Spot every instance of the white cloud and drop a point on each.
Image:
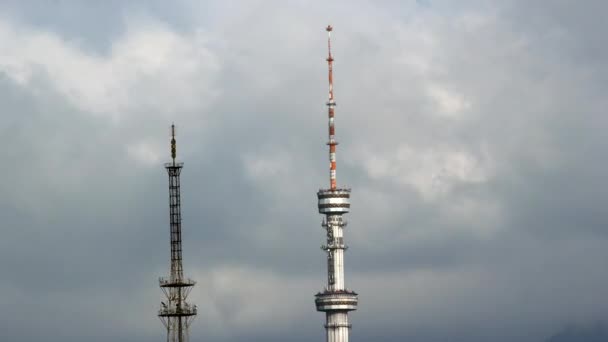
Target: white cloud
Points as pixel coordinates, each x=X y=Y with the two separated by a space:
x=150 y=68
x=267 y=167
x=448 y=103
x=432 y=171
x=145 y=153
x=240 y=298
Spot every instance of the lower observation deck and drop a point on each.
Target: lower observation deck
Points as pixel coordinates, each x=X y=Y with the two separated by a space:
x=178 y=311
x=167 y=282
x=337 y=300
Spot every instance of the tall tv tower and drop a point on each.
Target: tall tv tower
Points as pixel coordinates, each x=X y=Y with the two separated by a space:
x=176 y=314
x=335 y=300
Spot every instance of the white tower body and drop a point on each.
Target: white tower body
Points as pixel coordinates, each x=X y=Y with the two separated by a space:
x=335 y=299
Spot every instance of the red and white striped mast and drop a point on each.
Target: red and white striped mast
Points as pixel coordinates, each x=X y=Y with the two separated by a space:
x=331 y=104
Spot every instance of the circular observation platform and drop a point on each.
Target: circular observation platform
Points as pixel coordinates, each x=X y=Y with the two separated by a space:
x=167 y=282
x=335 y=201
x=337 y=300
x=178 y=311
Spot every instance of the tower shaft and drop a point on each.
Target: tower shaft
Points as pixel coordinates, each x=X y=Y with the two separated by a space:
x=336 y=300
x=175 y=224
x=176 y=314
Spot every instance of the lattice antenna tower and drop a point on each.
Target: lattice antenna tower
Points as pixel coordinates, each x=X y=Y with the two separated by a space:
x=176 y=314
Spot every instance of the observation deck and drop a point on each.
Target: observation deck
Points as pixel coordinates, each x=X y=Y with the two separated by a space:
x=335 y=201
x=336 y=300
x=177 y=165
x=185 y=310
x=168 y=282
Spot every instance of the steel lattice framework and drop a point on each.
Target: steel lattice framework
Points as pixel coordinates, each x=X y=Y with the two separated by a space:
x=335 y=300
x=176 y=314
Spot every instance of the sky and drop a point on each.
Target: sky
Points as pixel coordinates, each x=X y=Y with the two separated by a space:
x=471 y=134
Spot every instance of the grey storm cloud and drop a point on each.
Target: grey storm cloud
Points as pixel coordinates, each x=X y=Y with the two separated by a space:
x=472 y=135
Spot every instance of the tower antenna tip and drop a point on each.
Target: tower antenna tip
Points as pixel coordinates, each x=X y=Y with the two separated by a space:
x=173 y=144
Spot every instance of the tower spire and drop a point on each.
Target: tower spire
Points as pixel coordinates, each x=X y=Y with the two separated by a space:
x=331 y=104
x=336 y=300
x=173 y=144
x=176 y=314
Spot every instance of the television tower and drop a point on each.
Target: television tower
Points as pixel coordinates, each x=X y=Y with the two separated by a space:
x=335 y=300
x=176 y=314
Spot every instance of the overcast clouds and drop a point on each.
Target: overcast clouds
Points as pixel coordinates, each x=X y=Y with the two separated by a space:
x=472 y=134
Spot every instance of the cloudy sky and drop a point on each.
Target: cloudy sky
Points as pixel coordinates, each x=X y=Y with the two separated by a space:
x=472 y=135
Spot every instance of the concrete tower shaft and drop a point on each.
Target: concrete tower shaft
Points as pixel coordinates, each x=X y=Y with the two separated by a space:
x=336 y=300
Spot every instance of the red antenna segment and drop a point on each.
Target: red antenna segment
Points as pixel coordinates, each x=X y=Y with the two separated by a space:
x=331 y=105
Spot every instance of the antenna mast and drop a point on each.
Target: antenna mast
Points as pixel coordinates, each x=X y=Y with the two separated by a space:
x=176 y=314
x=331 y=104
